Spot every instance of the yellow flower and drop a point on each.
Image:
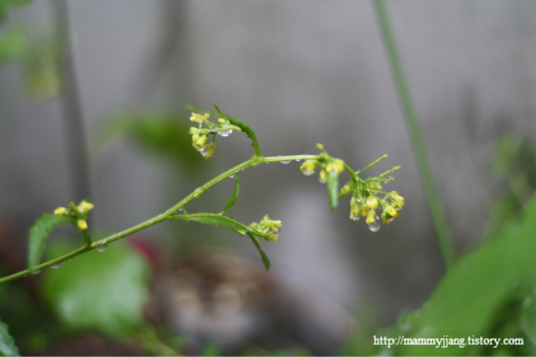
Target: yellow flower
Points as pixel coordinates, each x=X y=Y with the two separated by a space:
x=338 y=165
x=323 y=176
x=61 y=211
x=371 y=217
x=391 y=211
x=85 y=206
x=308 y=167
x=372 y=202
x=346 y=189
x=198 y=118
x=375 y=186
x=82 y=225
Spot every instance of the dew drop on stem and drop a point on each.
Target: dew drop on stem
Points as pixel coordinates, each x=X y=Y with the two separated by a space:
x=285 y=162
x=56 y=266
x=102 y=248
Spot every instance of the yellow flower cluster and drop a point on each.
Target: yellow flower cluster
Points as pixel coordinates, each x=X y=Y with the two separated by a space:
x=269 y=227
x=78 y=212
x=200 y=135
x=327 y=163
x=365 y=203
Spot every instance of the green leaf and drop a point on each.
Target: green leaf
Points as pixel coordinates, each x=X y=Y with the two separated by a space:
x=232 y=200
x=333 y=189
x=528 y=318
x=39 y=233
x=100 y=290
x=467 y=299
x=12 y=44
x=264 y=257
x=7 y=344
x=217 y=220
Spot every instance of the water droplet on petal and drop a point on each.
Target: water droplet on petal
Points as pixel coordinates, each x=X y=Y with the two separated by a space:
x=375 y=226
x=102 y=248
x=56 y=266
x=204 y=151
x=354 y=216
x=285 y=162
x=225 y=132
x=308 y=172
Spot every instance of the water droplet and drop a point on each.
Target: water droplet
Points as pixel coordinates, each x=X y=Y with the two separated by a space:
x=354 y=216
x=56 y=266
x=204 y=151
x=285 y=162
x=36 y=272
x=298 y=160
x=232 y=176
x=308 y=172
x=225 y=132
x=69 y=259
x=375 y=226
x=321 y=180
x=102 y=248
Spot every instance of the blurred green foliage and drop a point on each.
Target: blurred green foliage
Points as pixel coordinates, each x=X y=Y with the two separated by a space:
x=165 y=135
x=515 y=166
x=490 y=292
x=106 y=291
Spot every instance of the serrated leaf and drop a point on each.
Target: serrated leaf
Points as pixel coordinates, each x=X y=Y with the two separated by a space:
x=232 y=200
x=39 y=233
x=7 y=343
x=264 y=257
x=106 y=291
x=333 y=189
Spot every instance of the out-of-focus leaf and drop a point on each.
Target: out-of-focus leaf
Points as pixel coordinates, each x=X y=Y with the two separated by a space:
x=162 y=134
x=528 y=318
x=39 y=233
x=7 y=344
x=466 y=300
x=100 y=290
x=12 y=44
x=232 y=200
x=333 y=189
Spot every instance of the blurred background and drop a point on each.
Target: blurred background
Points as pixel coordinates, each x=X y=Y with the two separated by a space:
x=92 y=105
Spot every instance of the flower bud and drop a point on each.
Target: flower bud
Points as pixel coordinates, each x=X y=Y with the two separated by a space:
x=82 y=225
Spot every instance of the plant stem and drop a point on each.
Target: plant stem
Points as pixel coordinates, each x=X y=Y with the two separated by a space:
x=416 y=137
x=198 y=192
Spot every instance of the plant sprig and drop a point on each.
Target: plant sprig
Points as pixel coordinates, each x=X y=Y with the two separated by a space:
x=364 y=200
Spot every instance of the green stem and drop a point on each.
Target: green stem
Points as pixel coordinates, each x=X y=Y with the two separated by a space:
x=384 y=156
x=432 y=194
x=168 y=214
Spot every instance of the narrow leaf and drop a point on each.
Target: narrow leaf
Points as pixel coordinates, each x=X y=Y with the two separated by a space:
x=232 y=200
x=264 y=257
x=39 y=233
x=7 y=344
x=333 y=189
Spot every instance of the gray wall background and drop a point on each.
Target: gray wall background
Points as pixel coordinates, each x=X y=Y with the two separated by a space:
x=299 y=72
